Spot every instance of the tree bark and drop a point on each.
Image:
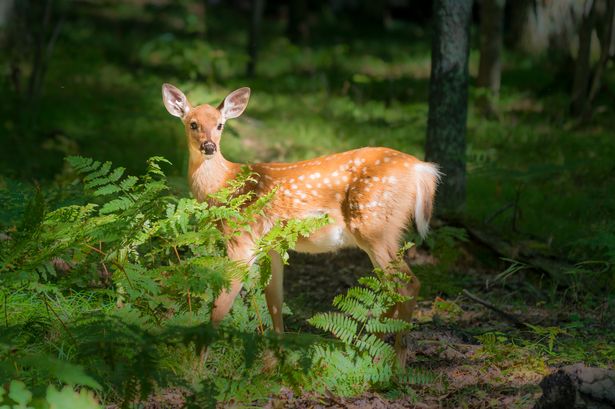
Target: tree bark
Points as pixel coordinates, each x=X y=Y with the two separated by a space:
x=490 y=65
x=582 y=71
x=606 y=42
x=448 y=100
x=519 y=11
x=258 y=8
x=6 y=8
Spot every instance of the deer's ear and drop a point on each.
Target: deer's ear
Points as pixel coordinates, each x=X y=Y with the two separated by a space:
x=175 y=101
x=235 y=103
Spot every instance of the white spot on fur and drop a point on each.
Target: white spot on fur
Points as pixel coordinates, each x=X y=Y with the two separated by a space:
x=377 y=162
x=315 y=175
x=387 y=159
x=293 y=186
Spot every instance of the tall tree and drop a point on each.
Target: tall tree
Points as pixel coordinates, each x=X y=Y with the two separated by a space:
x=448 y=99
x=258 y=8
x=582 y=70
x=490 y=65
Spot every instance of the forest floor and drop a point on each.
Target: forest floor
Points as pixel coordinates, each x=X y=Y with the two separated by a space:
x=469 y=356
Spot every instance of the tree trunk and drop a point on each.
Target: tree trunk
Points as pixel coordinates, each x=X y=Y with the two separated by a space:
x=6 y=8
x=258 y=8
x=518 y=13
x=490 y=65
x=448 y=99
x=606 y=42
x=582 y=71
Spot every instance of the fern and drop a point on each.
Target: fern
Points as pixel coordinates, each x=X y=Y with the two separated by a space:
x=164 y=263
x=365 y=360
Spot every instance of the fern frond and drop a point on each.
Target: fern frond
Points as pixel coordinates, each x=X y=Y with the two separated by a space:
x=375 y=347
x=99 y=173
x=83 y=165
x=386 y=325
x=340 y=325
x=351 y=306
x=115 y=205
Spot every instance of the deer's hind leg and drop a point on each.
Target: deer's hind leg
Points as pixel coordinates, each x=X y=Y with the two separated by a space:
x=382 y=250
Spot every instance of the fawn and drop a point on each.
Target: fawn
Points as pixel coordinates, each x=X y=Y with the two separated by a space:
x=370 y=194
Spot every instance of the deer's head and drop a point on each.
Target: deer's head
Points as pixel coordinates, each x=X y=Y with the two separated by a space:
x=204 y=123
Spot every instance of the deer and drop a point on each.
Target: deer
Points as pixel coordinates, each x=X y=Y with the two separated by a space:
x=371 y=195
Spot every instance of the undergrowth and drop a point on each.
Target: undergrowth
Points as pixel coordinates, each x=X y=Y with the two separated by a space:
x=108 y=299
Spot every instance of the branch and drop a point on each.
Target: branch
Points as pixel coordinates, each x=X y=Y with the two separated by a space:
x=512 y=318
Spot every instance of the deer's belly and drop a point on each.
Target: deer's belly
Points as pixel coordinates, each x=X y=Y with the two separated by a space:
x=327 y=239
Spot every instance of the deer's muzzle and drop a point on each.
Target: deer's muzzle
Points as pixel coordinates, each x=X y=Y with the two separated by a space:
x=208 y=148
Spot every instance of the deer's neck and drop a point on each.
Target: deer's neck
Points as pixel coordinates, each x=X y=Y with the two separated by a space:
x=207 y=176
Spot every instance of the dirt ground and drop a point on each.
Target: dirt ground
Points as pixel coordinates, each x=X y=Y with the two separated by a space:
x=441 y=342
x=467 y=373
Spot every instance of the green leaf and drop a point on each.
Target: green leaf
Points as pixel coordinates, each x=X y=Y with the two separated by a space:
x=19 y=393
x=65 y=372
x=68 y=398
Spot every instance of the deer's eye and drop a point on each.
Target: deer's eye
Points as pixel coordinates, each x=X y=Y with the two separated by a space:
x=193 y=125
x=219 y=127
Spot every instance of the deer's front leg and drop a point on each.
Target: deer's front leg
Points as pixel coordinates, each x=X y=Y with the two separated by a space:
x=274 y=293
x=243 y=252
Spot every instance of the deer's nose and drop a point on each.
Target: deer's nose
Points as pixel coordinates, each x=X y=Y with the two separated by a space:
x=208 y=148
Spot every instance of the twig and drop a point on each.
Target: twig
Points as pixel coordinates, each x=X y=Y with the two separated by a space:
x=95 y=249
x=6 y=313
x=498 y=212
x=114 y=262
x=49 y=308
x=258 y=315
x=179 y=260
x=514 y=319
